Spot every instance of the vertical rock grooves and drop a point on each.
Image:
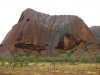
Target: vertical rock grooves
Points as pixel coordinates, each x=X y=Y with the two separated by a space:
x=96 y=32
x=45 y=35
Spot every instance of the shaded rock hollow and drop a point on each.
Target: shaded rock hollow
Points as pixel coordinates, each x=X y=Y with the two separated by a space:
x=45 y=35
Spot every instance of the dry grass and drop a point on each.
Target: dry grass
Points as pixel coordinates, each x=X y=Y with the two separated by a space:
x=48 y=69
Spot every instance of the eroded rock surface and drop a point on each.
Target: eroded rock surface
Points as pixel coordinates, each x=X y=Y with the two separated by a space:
x=45 y=35
x=96 y=31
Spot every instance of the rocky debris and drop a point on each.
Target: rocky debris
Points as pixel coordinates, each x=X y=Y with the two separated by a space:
x=89 y=50
x=96 y=31
x=45 y=35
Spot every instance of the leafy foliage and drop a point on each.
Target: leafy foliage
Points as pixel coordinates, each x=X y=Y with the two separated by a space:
x=72 y=59
x=62 y=58
x=25 y=60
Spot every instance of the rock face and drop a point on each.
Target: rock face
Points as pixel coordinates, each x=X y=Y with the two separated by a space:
x=96 y=31
x=44 y=35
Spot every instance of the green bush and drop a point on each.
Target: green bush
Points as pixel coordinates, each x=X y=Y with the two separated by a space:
x=32 y=58
x=41 y=59
x=97 y=58
x=85 y=59
x=1 y=59
x=24 y=58
x=18 y=59
x=48 y=59
x=93 y=59
x=72 y=59
x=7 y=58
x=44 y=59
x=62 y=58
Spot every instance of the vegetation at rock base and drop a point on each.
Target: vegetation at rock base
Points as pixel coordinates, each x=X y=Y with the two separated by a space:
x=63 y=65
x=64 y=58
x=88 y=43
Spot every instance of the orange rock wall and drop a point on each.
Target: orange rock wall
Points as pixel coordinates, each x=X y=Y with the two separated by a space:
x=44 y=35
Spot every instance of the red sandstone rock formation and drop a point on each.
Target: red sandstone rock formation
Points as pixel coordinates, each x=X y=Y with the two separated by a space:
x=96 y=31
x=44 y=35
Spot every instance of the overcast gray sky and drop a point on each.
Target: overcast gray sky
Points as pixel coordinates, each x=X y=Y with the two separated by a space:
x=10 y=11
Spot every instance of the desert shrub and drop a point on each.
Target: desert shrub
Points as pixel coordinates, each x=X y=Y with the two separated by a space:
x=21 y=62
x=7 y=58
x=1 y=59
x=24 y=58
x=93 y=58
x=32 y=58
x=85 y=59
x=78 y=59
x=18 y=59
x=62 y=58
x=41 y=59
x=48 y=59
x=97 y=58
x=44 y=59
x=72 y=60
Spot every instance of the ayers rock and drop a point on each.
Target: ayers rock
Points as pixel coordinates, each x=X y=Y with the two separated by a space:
x=96 y=31
x=45 y=35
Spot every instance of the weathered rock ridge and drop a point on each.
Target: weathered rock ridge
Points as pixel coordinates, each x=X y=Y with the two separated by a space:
x=45 y=35
x=96 y=31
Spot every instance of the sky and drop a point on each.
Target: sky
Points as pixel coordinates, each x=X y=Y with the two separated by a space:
x=10 y=11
